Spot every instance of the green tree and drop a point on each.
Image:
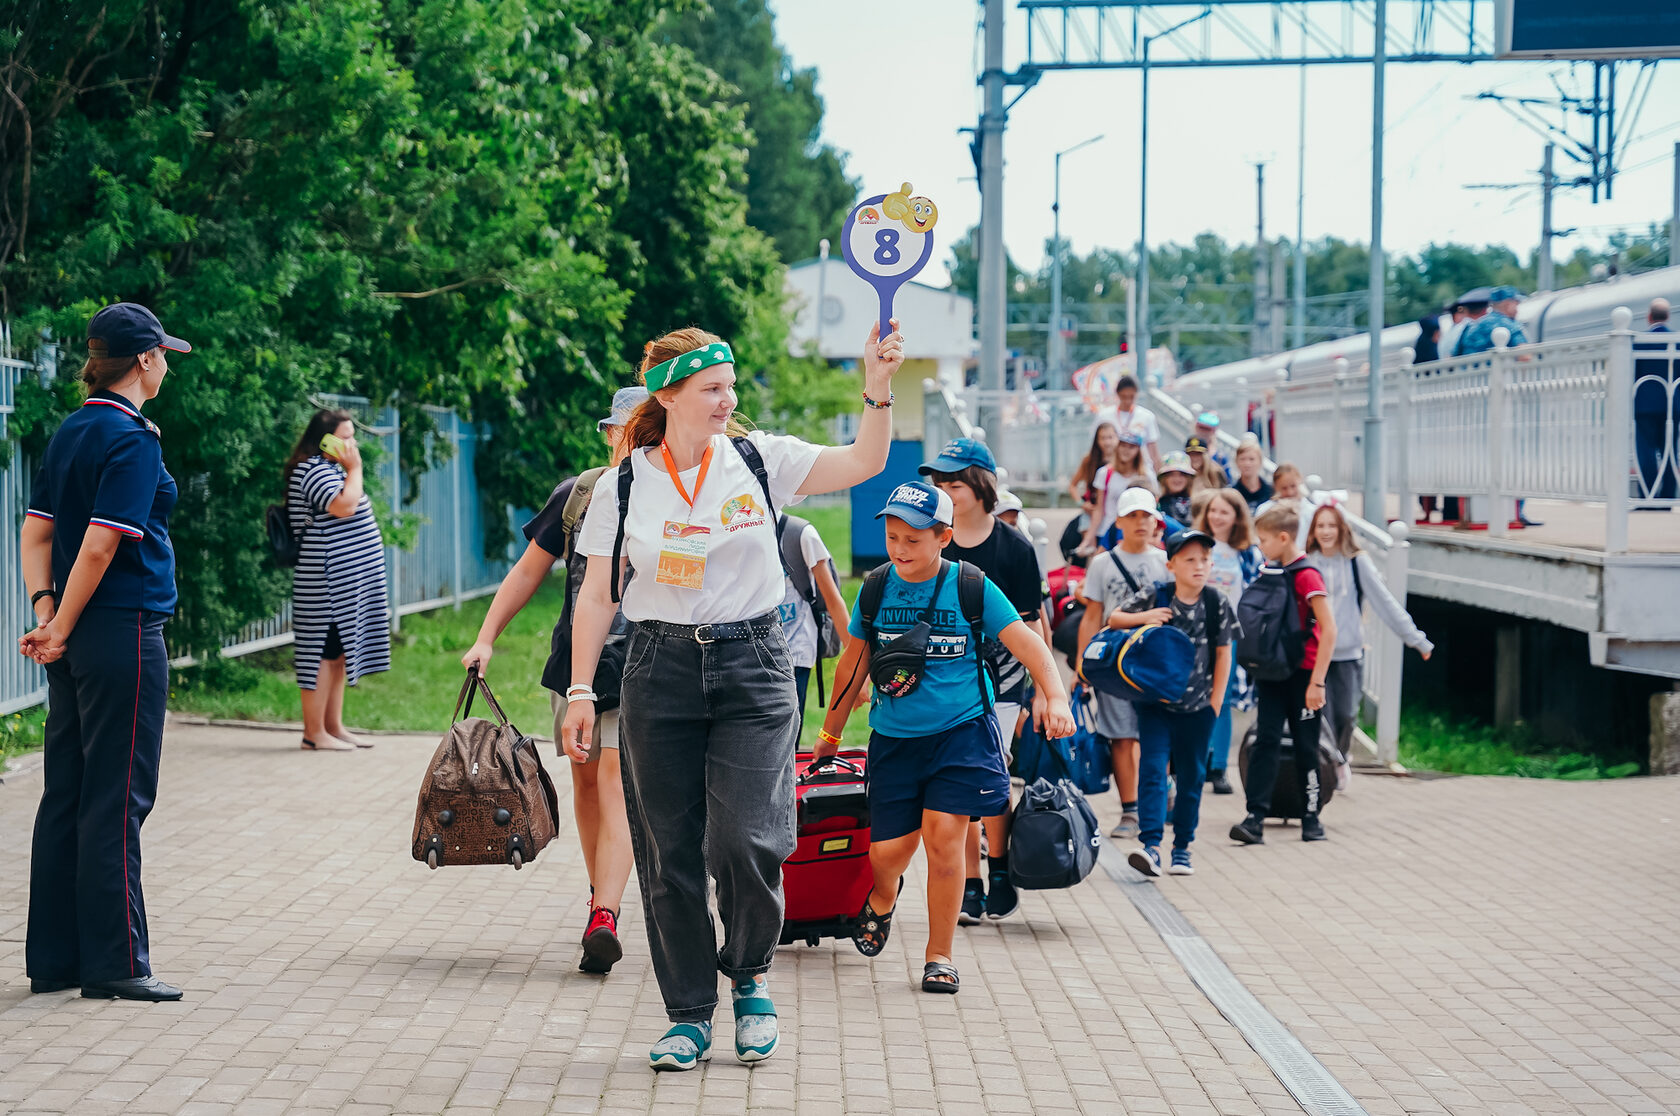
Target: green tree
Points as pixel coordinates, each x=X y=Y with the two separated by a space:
x=797 y=188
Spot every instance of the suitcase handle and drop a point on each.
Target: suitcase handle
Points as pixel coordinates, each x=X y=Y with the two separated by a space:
x=475 y=682
x=832 y=761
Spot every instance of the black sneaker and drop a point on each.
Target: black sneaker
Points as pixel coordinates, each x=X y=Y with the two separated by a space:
x=1312 y=829
x=1220 y=784
x=974 y=904
x=1249 y=831
x=1001 y=900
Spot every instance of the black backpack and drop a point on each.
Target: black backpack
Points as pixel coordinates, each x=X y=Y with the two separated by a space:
x=790 y=529
x=1273 y=637
x=971 y=599
x=1053 y=837
x=285 y=545
x=749 y=454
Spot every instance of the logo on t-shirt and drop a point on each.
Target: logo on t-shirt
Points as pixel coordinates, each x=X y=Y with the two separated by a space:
x=742 y=511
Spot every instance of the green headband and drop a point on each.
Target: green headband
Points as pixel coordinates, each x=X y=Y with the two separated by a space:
x=682 y=367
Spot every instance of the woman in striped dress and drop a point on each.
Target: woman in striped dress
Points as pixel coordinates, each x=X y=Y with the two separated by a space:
x=340 y=617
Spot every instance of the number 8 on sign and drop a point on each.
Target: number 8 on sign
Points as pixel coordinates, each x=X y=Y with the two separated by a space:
x=888 y=239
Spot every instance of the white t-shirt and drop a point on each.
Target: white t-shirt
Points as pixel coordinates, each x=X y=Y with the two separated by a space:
x=1109 y=486
x=799 y=623
x=1139 y=419
x=743 y=577
x=1225 y=572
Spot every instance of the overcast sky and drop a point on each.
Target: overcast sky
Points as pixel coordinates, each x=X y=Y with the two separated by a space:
x=1207 y=129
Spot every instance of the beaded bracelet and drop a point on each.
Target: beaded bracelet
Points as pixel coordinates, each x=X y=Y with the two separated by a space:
x=868 y=402
x=580 y=692
x=828 y=737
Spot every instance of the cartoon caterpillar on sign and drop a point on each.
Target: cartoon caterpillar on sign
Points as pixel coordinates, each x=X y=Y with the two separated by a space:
x=918 y=214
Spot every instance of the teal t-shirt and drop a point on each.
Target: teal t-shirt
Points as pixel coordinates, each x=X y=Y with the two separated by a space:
x=950 y=689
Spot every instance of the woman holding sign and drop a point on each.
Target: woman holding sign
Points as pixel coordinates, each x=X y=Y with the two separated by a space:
x=710 y=718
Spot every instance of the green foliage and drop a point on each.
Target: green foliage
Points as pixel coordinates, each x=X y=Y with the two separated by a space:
x=1432 y=743
x=797 y=188
x=22 y=732
x=489 y=205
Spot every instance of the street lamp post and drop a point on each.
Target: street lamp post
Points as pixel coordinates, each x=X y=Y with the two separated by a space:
x=822 y=288
x=1141 y=360
x=1057 y=349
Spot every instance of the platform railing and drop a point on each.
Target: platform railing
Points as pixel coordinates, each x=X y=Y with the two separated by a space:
x=1589 y=420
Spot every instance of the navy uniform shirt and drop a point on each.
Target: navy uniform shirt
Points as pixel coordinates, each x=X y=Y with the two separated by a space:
x=104 y=467
x=1478 y=335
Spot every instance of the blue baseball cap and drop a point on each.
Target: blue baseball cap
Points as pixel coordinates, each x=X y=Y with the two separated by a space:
x=1500 y=294
x=959 y=454
x=625 y=401
x=919 y=504
x=126 y=329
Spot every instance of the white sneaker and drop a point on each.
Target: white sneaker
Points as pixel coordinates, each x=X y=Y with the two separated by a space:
x=1127 y=827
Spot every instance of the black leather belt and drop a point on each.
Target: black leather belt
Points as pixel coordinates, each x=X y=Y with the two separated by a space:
x=756 y=628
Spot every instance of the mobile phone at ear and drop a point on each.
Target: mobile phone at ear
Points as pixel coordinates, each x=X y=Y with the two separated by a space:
x=333 y=446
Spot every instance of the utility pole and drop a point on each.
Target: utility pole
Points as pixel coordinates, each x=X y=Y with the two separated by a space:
x=822 y=288
x=1056 y=351
x=1301 y=220
x=1674 y=222
x=1262 y=281
x=993 y=307
x=1141 y=339
x=1543 y=273
x=1375 y=509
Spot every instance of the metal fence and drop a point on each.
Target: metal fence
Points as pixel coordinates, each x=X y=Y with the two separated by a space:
x=446 y=564
x=1554 y=420
x=22 y=682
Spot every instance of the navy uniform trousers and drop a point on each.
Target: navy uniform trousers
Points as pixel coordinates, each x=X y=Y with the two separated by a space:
x=106 y=698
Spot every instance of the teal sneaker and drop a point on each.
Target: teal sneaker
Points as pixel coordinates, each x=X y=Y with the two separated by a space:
x=756 y=1033
x=684 y=1046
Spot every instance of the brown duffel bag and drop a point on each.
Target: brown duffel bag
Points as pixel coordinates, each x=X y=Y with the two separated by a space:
x=486 y=798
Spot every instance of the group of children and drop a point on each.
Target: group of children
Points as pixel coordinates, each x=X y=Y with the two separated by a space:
x=952 y=628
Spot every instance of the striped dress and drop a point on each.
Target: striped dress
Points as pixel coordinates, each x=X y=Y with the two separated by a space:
x=339 y=579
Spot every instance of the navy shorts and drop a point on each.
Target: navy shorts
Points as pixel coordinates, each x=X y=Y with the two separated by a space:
x=958 y=771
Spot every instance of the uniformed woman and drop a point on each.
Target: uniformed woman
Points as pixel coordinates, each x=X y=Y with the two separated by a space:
x=709 y=713
x=100 y=572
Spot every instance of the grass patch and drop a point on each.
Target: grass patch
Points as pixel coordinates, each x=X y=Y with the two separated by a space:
x=1433 y=743
x=22 y=732
x=418 y=693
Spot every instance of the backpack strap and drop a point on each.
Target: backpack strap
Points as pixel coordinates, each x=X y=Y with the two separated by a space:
x=869 y=599
x=625 y=475
x=577 y=503
x=1212 y=602
x=755 y=461
x=1131 y=582
x=1358 y=589
x=971 y=599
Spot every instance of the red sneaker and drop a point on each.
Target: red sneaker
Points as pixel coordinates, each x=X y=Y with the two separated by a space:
x=601 y=947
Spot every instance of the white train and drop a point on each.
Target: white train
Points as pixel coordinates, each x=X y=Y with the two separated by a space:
x=1548 y=316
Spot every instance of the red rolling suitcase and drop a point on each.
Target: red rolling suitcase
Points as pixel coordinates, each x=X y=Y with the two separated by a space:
x=828 y=877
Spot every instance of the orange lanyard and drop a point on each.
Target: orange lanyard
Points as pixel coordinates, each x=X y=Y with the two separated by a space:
x=671 y=467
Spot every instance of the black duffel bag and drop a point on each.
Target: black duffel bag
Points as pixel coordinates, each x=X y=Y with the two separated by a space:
x=1053 y=837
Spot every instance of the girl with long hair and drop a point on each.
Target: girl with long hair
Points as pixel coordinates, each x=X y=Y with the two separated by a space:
x=1353 y=580
x=709 y=714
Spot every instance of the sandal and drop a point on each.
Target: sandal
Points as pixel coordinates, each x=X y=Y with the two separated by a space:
x=934 y=974
x=873 y=930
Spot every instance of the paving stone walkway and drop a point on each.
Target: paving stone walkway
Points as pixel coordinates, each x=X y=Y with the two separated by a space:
x=1460 y=945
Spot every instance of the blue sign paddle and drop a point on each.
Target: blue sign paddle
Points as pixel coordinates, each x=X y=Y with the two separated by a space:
x=887 y=240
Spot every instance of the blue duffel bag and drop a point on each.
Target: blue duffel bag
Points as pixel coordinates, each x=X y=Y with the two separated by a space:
x=1083 y=758
x=1148 y=664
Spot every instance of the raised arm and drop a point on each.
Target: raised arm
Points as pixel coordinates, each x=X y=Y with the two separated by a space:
x=349 y=498
x=840 y=467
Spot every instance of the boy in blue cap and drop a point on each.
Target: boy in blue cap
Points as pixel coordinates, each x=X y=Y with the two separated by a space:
x=936 y=757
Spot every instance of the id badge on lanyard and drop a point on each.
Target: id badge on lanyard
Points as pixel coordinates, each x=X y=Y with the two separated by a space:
x=682 y=544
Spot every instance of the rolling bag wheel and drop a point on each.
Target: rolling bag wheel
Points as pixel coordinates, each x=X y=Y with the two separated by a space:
x=432 y=859
x=434 y=849
x=516 y=859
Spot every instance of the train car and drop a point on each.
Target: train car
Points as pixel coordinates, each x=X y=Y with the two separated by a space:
x=1547 y=316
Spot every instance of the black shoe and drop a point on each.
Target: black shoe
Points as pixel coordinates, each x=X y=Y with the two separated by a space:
x=38 y=985
x=1249 y=831
x=134 y=988
x=973 y=905
x=1220 y=784
x=1001 y=900
x=1311 y=828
